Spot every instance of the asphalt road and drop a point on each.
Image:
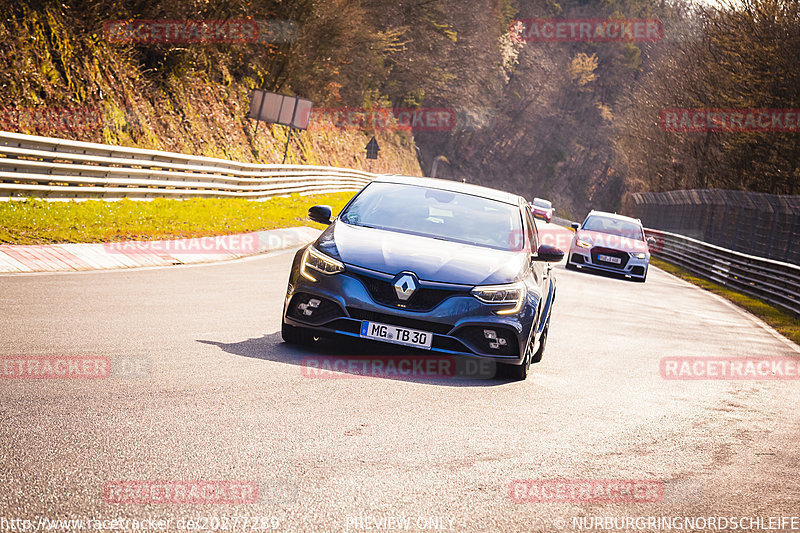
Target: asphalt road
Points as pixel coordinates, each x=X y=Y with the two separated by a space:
x=216 y=395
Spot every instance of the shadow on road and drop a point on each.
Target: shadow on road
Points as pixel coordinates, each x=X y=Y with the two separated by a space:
x=341 y=359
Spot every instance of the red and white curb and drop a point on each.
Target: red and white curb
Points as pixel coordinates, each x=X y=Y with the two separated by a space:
x=132 y=254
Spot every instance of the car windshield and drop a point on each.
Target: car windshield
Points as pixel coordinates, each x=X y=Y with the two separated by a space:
x=437 y=213
x=614 y=226
x=542 y=203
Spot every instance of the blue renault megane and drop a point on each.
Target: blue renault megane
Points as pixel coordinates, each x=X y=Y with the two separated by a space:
x=428 y=264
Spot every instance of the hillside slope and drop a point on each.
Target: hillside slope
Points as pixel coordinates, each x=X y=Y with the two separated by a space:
x=62 y=77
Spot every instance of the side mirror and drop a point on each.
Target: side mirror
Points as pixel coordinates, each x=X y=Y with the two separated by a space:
x=651 y=240
x=575 y=225
x=320 y=213
x=548 y=253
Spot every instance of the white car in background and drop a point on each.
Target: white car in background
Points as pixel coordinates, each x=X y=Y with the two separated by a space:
x=542 y=209
x=611 y=243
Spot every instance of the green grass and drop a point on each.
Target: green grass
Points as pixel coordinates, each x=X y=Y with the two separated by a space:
x=33 y=221
x=785 y=323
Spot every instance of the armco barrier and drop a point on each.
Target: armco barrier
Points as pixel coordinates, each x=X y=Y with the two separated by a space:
x=766 y=279
x=765 y=225
x=52 y=168
x=561 y=222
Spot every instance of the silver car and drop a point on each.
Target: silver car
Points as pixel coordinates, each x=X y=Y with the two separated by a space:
x=611 y=243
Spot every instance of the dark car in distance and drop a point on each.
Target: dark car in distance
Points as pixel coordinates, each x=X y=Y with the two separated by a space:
x=430 y=264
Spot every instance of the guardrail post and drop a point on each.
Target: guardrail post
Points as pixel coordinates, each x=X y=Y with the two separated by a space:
x=750 y=245
x=736 y=227
x=790 y=242
x=773 y=229
x=723 y=226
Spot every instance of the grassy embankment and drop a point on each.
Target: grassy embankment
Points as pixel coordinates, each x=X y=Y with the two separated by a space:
x=41 y=222
x=62 y=78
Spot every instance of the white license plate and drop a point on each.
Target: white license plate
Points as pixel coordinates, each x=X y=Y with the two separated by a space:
x=609 y=259
x=396 y=334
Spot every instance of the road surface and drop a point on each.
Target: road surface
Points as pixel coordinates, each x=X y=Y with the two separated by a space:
x=215 y=395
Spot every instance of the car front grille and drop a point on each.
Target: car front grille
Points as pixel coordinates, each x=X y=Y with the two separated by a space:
x=623 y=256
x=424 y=299
x=413 y=323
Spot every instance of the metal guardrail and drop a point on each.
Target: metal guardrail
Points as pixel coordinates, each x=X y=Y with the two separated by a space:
x=52 y=168
x=561 y=222
x=765 y=225
x=63 y=169
x=766 y=279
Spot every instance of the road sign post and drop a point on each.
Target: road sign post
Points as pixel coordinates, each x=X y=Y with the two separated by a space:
x=372 y=151
x=372 y=148
x=289 y=111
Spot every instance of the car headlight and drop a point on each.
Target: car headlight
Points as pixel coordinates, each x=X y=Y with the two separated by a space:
x=583 y=244
x=511 y=294
x=640 y=255
x=316 y=260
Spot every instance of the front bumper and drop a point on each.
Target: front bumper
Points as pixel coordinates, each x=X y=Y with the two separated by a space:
x=456 y=322
x=630 y=265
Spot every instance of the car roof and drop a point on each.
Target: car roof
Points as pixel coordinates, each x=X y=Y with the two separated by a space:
x=453 y=186
x=614 y=216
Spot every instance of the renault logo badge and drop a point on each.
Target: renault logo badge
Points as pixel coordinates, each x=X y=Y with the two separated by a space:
x=405 y=285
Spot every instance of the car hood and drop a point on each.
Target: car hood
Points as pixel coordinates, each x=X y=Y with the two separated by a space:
x=430 y=259
x=615 y=242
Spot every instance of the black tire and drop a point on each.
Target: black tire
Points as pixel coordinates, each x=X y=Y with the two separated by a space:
x=537 y=357
x=519 y=372
x=570 y=266
x=516 y=372
x=642 y=279
x=295 y=335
